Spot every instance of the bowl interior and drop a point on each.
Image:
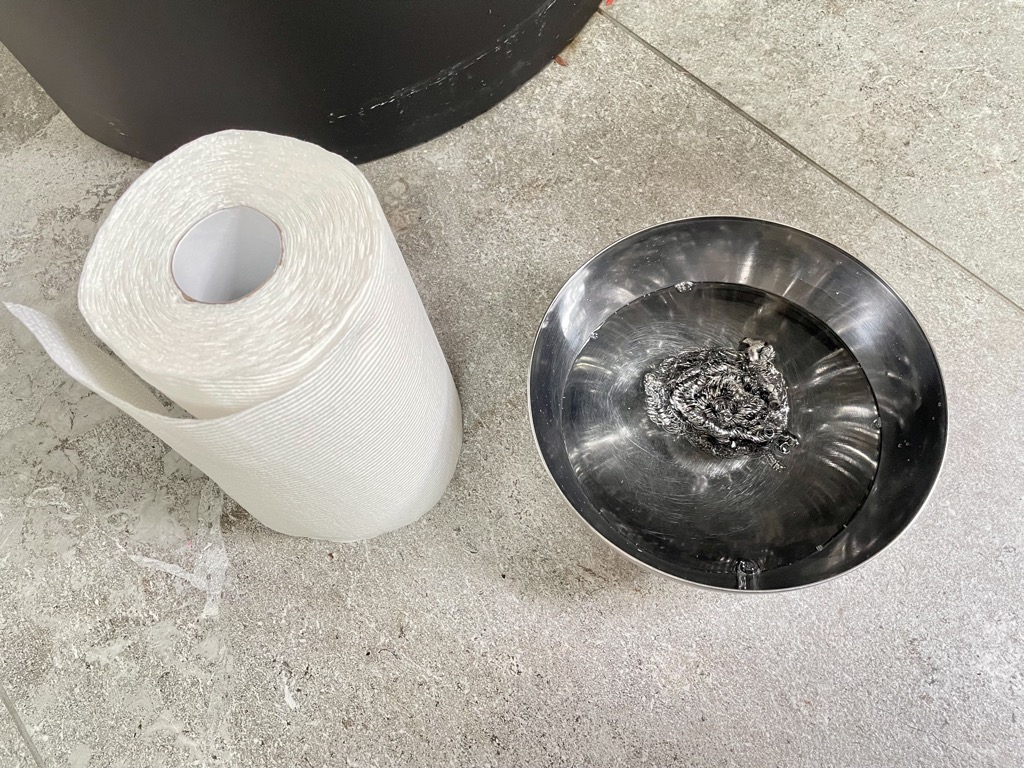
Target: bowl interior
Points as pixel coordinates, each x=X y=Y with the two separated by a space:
x=867 y=404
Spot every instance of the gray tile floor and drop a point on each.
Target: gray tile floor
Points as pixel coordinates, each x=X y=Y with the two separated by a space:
x=496 y=631
x=917 y=105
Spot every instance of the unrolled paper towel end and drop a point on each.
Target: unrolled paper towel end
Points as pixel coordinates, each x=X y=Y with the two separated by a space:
x=334 y=412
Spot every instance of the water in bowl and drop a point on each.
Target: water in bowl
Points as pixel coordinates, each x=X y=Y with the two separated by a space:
x=677 y=503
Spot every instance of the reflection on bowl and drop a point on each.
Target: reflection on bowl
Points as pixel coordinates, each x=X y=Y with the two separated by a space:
x=866 y=400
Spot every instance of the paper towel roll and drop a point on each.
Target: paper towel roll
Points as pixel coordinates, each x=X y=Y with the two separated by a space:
x=253 y=279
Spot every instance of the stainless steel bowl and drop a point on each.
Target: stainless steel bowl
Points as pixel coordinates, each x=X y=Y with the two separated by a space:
x=867 y=404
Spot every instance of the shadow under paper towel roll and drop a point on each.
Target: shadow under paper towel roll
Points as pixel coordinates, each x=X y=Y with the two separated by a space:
x=322 y=401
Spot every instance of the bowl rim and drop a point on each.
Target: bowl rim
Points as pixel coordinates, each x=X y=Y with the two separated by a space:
x=710 y=587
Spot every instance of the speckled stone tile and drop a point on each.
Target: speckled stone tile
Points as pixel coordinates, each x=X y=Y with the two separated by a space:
x=919 y=105
x=497 y=631
x=24 y=106
x=13 y=752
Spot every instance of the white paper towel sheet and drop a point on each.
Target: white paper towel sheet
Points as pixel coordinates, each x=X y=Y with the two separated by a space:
x=322 y=401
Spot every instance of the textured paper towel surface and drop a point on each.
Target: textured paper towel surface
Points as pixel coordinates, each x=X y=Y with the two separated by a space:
x=325 y=405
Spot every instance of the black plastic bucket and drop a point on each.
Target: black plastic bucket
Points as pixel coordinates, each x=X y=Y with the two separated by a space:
x=363 y=79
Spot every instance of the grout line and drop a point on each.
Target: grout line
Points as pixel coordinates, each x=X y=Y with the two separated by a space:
x=26 y=737
x=721 y=98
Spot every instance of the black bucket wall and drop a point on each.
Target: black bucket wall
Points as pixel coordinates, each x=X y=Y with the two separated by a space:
x=364 y=79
